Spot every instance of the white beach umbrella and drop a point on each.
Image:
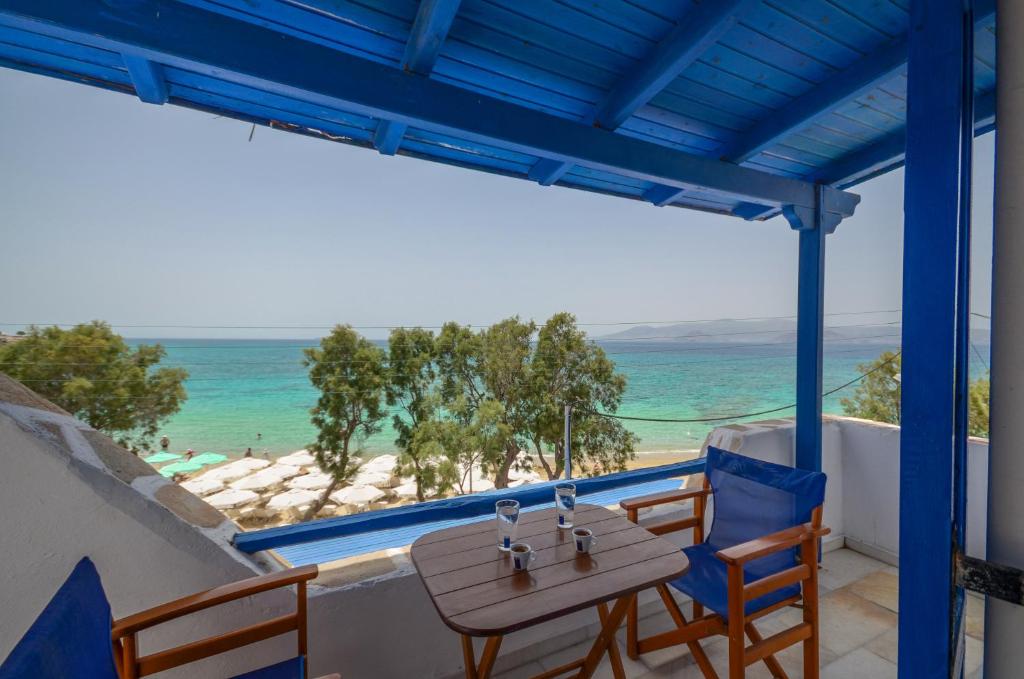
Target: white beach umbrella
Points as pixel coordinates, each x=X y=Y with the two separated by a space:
x=260 y=480
x=284 y=471
x=232 y=471
x=357 y=495
x=406 y=490
x=480 y=485
x=231 y=498
x=291 y=499
x=300 y=458
x=372 y=478
x=203 y=487
x=381 y=463
x=314 y=481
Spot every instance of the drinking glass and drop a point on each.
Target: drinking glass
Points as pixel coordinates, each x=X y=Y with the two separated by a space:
x=565 y=503
x=507 y=516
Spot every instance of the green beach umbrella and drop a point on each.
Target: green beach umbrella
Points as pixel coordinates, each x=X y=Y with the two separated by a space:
x=209 y=458
x=181 y=467
x=164 y=456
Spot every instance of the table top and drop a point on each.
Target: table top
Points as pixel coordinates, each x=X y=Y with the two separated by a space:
x=476 y=591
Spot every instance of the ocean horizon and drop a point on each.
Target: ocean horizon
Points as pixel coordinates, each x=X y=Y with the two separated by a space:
x=255 y=393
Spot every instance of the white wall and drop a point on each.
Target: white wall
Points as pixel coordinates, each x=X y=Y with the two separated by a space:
x=862 y=460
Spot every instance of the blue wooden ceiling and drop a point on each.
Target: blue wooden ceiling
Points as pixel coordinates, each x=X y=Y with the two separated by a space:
x=805 y=90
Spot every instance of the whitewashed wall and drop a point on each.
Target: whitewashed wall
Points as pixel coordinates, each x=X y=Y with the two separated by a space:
x=862 y=460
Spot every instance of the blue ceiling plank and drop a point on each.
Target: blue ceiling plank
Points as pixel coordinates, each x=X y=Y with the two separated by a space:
x=182 y=36
x=855 y=81
x=148 y=79
x=429 y=31
x=887 y=153
x=698 y=30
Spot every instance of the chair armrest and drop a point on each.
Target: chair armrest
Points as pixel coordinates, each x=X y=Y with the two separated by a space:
x=663 y=498
x=769 y=544
x=210 y=598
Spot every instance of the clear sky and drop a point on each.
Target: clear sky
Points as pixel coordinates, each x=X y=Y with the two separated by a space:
x=138 y=214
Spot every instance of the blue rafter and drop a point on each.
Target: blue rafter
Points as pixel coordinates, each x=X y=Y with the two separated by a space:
x=255 y=56
x=858 y=79
x=886 y=154
x=433 y=21
x=148 y=79
x=700 y=29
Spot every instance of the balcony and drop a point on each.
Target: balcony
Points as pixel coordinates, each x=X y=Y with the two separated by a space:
x=369 y=614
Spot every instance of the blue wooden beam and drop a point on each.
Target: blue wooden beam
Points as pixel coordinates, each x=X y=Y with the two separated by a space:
x=693 y=35
x=701 y=28
x=662 y=195
x=148 y=79
x=855 y=81
x=429 y=30
x=933 y=233
x=464 y=506
x=247 y=54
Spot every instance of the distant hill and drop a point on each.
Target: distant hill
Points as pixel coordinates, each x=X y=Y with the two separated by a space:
x=771 y=330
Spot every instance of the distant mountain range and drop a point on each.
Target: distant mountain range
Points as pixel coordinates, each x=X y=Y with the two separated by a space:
x=771 y=330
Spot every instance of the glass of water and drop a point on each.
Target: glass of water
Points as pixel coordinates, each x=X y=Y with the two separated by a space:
x=506 y=514
x=565 y=503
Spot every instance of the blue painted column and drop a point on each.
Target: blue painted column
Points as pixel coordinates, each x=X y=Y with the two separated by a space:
x=934 y=304
x=809 y=334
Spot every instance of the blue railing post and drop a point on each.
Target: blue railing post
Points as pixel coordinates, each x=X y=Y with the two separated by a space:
x=934 y=304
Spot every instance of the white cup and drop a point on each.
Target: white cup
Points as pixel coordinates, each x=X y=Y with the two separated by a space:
x=583 y=538
x=522 y=555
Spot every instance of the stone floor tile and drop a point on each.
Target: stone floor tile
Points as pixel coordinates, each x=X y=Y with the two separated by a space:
x=885 y=645
x=879 y=587
x=859 y=664
x=843 y=566
x=848 y=621
x=528 y=670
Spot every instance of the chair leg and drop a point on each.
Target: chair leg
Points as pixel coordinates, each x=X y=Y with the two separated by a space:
x=773 y=664
x=696 y=650
x=812 y=663
x=737 y=620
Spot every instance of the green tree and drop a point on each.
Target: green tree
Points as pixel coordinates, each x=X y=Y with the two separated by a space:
x=93 y=374
x=350 y=372
x=410 y=383
x=877 y=396
x=566 y=368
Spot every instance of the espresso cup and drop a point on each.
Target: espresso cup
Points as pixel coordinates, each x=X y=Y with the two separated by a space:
x=583 y=539
x=522 y=555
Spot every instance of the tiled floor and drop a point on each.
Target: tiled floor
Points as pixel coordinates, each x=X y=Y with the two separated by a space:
x=859 y=607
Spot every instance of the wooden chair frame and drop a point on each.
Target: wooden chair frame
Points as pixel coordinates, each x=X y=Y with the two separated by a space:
x=806 y=537
x=124 y=633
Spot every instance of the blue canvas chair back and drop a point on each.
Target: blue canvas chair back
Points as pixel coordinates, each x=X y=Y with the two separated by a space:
x=754 y=498
x=71 y=637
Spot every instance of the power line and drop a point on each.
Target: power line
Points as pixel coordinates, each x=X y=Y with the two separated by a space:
x=744 y=415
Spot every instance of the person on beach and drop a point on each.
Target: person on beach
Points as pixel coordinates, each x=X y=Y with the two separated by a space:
x=248 y=452
x=165 y=443
x=259 y=436
x=188 y=454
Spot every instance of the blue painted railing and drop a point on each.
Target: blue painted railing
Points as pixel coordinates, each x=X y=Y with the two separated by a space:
x=462 y=507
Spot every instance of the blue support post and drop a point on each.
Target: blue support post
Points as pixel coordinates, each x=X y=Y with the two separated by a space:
x=813 y=228
x=934 y=302
x=148 y=79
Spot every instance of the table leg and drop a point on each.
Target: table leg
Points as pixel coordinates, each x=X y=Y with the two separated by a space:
x=606 y=636
x=618 y=671
x=490 y=654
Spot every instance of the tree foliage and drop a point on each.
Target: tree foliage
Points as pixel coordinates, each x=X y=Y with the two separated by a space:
x=877 y=396
x=91 y=372
x=350 y=373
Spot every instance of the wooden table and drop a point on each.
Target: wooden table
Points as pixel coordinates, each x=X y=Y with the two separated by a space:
x=478 y=594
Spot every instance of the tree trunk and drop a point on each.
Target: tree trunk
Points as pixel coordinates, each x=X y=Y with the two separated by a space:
x=544 y=463
x=501 y=478
x=320 y=502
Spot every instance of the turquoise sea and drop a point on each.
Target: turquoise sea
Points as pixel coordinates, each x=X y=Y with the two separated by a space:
x=240 y=388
